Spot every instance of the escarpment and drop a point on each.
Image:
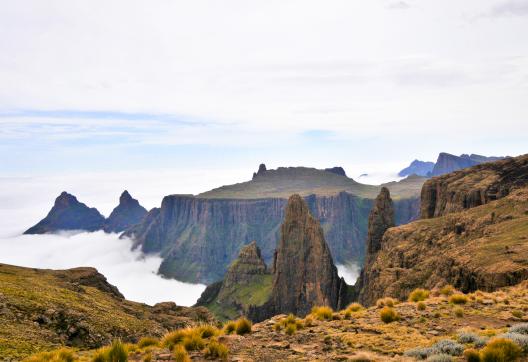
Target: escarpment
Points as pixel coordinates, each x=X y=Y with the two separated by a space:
x=198 y=238
x=481 y=245
x=304 y=274
x=473 y=186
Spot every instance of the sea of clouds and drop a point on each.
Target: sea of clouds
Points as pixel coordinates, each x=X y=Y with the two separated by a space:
x=26 y=200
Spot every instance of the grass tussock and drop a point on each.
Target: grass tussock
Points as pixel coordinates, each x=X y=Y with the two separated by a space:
x=386 y=302
x=420 y=306
x=191 y=338
x=458 y=298
x=290 y=324
x=230 y=327
x=147 y=342
x=418 y=295
x=180 y=354
x=60 y=355
x=354 y=307
x=388 y=315
x=216 y=350
x=116 y=352
x=322 y=313
x=459 y=312
x=472 y=355
x=243 y=326
x=500 y=350
x=447 y=290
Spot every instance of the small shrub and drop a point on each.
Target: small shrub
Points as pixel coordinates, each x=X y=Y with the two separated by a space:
x=147 y=341
x=437 y=315
x=291 y=329
x=216 y=350
x=308 y=321
x=60 y=355
x=385 y=302
x=354 y=307
x=348 y=314
x=519 y=328
x=500 y=350
x=389 y=315
x=458 y=299
x=322 y=313
x=230 y=327
x=519 y=339
x=459 y=312
x=418 y=295
x=447 y=346
x=447 y=290
x=517 y=314
x=472 y=355
x=420 y=306
x=419 y=352
x=180 y=354
x=440 y=358
x=480 y=342
x=193 y=341
x=243 y=326
x=467 y=337
x=147 y=357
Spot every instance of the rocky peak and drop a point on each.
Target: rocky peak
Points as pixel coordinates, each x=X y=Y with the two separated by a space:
x=129 y=212
x=380 y=219
x=68 y=214
x=248 y=263
x=337 y=170
x=304 y=271
x=261 y=170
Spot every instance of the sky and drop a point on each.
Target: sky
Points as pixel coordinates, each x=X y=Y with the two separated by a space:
x=209 y=86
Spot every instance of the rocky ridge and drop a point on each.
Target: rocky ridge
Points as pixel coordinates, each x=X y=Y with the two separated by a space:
x=129 y=212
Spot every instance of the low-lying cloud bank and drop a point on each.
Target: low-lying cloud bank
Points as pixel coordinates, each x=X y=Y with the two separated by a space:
x=350 y=272
x=133 y=273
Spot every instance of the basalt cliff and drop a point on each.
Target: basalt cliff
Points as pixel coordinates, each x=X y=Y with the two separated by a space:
x=200 y=236
x=473 y=235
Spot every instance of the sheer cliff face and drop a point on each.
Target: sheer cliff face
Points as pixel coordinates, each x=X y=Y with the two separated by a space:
x=304 y=272
x=198 y=238
x=472 y=187
x=471 y=243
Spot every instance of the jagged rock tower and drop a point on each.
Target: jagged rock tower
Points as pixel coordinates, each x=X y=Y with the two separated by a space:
x=304 y=274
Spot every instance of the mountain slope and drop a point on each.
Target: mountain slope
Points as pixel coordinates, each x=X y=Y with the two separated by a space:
x=43 y=309
x=469 y=246
x=129 y=212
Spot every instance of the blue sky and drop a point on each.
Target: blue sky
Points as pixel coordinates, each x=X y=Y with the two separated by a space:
x=131 y=85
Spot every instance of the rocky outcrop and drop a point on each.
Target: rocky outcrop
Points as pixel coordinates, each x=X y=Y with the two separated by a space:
x=381 y=218
x=129 y=212
x=457 y=243
x=89 y=277
x=304 y=274
x=199 y=238
x=337 y=170
x=417 y=167
x=68 y=214
x=247 y=282
x=472 y=187
x=261 y=170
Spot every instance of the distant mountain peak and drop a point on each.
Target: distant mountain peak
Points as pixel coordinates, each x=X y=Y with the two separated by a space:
x=129 y=212
x=337 y=170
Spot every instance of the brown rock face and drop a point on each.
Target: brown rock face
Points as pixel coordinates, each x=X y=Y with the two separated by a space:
x=381 y=218
x=473 y=186
x=304 y=274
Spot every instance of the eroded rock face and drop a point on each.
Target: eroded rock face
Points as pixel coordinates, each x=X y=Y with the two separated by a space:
x=68 y=214
x=261 y=170
x=472 y=187
x=129 y=212
x=381 y=218
x=337 y=170
x=304 y=274
x=243 y=270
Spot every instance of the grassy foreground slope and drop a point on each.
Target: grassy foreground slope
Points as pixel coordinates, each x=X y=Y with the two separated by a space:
x=42 y=309
x=285 y=181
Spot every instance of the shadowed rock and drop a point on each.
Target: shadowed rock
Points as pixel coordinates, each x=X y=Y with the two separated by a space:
x=337 y=170
x=68 y=214
x=129 y=212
